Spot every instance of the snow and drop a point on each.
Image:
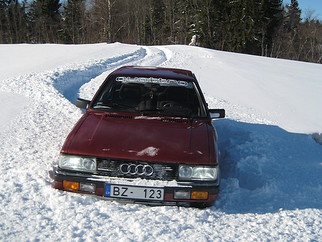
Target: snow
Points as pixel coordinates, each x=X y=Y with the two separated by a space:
x=149 y=151
x=271 y=163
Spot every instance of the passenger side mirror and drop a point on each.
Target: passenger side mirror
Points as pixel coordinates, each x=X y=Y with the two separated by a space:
x=217 y=113
x=82 y=103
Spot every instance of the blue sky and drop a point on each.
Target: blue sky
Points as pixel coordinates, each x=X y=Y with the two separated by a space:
x=305 y=5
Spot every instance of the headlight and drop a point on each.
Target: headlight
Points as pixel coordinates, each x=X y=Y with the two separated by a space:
x=199 y=173
x=77 y=163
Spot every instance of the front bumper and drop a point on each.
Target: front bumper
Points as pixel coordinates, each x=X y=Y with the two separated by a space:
x=96 y=185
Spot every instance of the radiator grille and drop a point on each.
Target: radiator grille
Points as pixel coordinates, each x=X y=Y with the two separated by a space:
x=136 y=169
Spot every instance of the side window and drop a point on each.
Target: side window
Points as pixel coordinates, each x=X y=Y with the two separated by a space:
x=106 y=94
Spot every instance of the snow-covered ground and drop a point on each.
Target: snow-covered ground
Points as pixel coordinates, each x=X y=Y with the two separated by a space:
x=271 y=166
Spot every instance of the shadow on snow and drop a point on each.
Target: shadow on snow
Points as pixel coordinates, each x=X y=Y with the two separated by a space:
x=266 y=169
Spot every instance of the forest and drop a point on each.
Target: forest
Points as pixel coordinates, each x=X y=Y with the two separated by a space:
x=258 y=27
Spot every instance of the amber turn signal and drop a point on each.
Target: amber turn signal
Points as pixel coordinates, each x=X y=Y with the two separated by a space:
x=199 y=195
x=70 y=185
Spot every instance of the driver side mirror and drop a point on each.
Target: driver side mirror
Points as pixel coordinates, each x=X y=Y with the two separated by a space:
x=217 y=113
x=82 y=103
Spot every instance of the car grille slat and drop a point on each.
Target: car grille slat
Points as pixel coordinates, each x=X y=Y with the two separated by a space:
x=136 y=169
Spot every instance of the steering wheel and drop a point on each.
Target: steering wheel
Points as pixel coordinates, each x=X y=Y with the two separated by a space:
x=169 y=104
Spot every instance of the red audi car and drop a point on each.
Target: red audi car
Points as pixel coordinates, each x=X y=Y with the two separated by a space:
x=147 y=136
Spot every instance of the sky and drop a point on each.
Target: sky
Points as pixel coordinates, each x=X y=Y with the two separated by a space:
x=308 y=5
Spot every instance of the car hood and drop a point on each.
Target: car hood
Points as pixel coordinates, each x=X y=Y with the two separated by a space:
x=146 y=138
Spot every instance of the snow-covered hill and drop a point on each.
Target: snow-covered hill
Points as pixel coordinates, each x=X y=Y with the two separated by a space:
x=271 y=166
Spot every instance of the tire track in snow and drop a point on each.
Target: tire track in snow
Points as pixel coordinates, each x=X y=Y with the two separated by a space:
x=167 y=54
x=68 y=82
x=85 y=80
x=155 y=56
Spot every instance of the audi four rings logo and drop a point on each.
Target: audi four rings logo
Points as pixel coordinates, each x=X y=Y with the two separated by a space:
x=139 y=170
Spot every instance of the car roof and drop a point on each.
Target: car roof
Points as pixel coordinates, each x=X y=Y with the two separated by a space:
x=163 y=72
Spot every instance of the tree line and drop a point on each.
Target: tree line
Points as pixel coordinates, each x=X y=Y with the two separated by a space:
x=259 y=27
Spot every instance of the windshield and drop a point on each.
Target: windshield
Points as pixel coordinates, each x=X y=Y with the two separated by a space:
x=150 y=95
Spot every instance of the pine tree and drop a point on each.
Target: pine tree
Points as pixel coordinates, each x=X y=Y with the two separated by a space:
x=12 y=21
x=268 y=20
x=45 y=21
x=3 y=20
x=154 y=22
x=207 y=18
x=74 y=22
x=292 y=24
x=293 y=15
x=222 y=24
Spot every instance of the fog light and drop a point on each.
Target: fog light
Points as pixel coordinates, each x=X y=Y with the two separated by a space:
x=181 y=195
x=70 y=185
x=199 y=195
x=86 y=187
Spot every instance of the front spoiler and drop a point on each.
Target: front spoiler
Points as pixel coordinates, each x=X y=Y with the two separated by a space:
x=99 y=182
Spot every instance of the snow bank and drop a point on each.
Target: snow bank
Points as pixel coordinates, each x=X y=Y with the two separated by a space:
x=12 y=105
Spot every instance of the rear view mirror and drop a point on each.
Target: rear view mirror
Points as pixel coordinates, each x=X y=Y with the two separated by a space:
x=217 y=113
x=82 y=103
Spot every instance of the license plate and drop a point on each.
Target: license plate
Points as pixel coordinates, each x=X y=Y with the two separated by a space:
x=132 y=192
